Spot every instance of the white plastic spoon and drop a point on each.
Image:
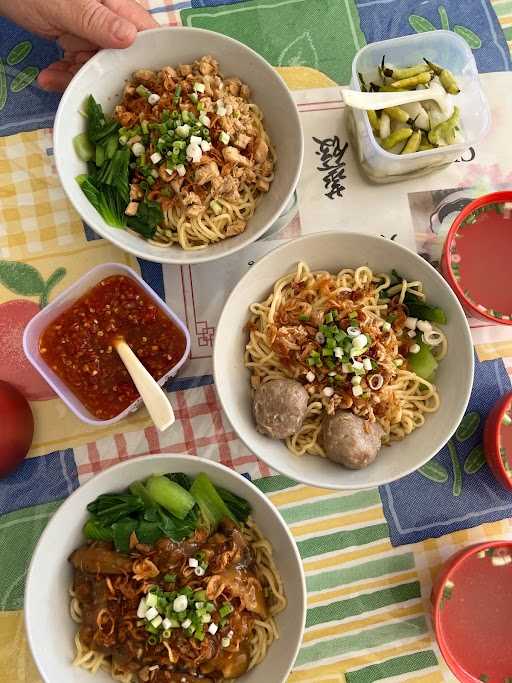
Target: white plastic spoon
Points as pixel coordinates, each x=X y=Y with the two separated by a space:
x=382 y=100
x=155 y=400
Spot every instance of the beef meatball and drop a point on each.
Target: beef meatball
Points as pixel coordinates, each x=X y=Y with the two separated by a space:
x=279 y=407
x=349 y=440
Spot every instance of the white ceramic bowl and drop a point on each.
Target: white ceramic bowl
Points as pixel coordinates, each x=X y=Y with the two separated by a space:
x=332 y=251
x=104 y=76
x=49 y=627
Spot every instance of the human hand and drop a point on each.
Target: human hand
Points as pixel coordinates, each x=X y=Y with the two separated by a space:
x=80 y=27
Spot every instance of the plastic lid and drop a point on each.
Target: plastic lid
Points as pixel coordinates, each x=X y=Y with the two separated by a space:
x=478 y=254
x=472 y=613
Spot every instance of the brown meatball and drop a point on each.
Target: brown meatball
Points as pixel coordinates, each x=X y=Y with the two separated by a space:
x=349 y=440
x=279 y=407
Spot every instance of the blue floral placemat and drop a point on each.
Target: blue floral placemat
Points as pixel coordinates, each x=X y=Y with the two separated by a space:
x=456 y=489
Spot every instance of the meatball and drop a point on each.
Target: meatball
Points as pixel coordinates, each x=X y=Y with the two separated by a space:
x=349 y=440
x=279 y=407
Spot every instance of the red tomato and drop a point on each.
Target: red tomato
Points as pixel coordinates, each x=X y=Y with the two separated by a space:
x=17 y=428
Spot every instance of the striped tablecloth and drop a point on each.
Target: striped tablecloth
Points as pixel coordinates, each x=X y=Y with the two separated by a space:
x=368 y=600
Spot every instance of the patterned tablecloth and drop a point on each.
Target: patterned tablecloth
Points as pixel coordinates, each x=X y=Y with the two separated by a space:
x=369 y=556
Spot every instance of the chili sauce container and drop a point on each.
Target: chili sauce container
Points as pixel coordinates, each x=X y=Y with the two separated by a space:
x=64 y=302
x=441 y=47
x=471 y=611
x=498 y=442
x=477 y=257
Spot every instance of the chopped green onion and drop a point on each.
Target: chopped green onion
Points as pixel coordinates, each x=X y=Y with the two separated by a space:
x=193 y=97
x=225 y=609
x=352 y=315
x=304 y=318
x=176 y=97
x=328 y=318
x=152 y=640
x=170 y=578
x=142 y=91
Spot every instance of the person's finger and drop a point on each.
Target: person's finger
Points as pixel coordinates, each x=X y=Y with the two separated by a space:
x=95 y=22
x=71 y=43
x=79 y=57
x=61 y=65
x=131 y=10
x=54 y=78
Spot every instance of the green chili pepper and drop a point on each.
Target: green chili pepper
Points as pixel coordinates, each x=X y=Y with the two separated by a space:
x=433 y=67
x=397 y=114
x=424 y=143
x=396 y=137
x=413 y=81
x=374 y=120
x=409 y=72
x=448 y=82
x=445 y=131
x=413 y=143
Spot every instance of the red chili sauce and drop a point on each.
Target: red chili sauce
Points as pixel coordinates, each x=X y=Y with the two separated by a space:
x=78 y=344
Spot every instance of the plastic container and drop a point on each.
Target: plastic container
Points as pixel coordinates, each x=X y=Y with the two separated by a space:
x=441 y=47
x=477 y=255
x=63 y=302
x=498 y=441
x=471 y=601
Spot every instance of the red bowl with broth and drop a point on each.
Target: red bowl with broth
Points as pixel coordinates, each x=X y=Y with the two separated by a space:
x=471 y=608
x=477 y=255
x=498 y=441
x=69 y=342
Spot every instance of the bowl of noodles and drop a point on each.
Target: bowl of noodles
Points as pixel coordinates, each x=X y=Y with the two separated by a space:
x=165 y=569
x=343 y=360
x=183 y=148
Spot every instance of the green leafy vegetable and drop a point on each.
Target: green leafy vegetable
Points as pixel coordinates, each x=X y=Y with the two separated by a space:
x=149 y=215
x=180 y=478
x=423 y=363
x=111 y=507
x=143 y=510
x=423 y=311
x=239 y=507
x=138 y=489
x=96 y=531
x=106 y=200
x=213 y=508
x=175 y=528
x=122 y=531
x=170 y=495
x=83 y=148
x=98 y=127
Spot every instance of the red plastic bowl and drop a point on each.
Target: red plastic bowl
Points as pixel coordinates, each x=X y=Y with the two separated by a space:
x=440 y=600
x=490 y=252
x=492 y=445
